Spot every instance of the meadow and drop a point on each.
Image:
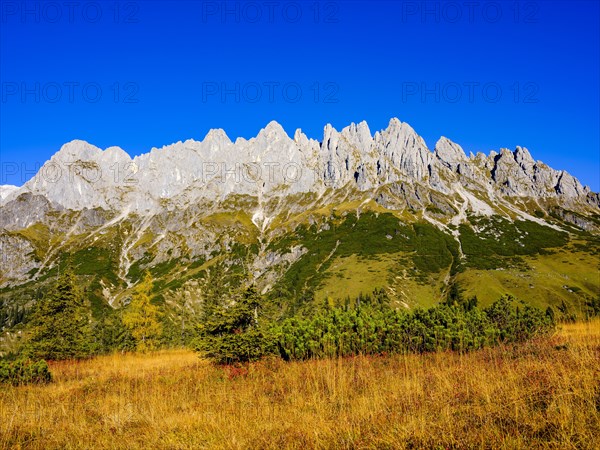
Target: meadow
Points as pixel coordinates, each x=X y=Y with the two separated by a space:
x=544 y=393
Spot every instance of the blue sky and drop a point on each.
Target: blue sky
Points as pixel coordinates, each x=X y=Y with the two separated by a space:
x=149 y=73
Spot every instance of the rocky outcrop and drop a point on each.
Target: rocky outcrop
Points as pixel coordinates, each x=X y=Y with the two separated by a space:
x=7 y=189
x=25 y=210
x=272 y=164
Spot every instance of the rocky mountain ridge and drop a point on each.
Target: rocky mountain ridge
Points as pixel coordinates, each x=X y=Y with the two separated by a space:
x=292 y=215
x=81 y=175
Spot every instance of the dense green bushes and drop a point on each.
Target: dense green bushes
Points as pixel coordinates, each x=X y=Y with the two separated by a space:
x=376 y=328
x=592 y=307
x=368 y=325
x=24 y=371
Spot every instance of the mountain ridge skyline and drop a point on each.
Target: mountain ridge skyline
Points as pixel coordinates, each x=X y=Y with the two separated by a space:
x=183 y=208
x=221 y=135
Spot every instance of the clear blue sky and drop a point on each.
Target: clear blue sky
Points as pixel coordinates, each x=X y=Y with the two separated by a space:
x=497 y=74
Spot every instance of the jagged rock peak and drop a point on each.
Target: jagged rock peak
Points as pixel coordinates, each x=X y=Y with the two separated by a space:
x=522 y=156
x=115 y=154
x=401 y=134
x=449 y=152
x=185 y=172
x=78 y=149
x=394 y=123
x=216 y=135
x=396 y=126
x=273 y=131
x=362 y=128
x=300 y=138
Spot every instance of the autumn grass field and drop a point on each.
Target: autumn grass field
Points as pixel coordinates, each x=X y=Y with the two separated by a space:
x=542 y=394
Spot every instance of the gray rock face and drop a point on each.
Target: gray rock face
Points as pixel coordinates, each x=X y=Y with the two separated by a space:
x=6 y=189
x=404 y=154
x=25 y=210
x=17 y=257
x=450 y=154
x=162 y=205
x=569 y=186
x=272 y=164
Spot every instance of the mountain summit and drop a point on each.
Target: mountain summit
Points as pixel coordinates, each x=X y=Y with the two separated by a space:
x=81 y=175
x=302 y=219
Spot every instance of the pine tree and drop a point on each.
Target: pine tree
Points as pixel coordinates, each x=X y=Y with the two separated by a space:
x=60 y=322
x=231 y=333
x=111 y=334
x=142 y=317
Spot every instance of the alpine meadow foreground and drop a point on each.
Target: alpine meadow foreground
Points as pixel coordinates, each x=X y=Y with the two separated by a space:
x=543 y=393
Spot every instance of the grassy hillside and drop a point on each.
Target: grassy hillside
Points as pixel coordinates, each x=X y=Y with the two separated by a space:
x=341 y=252
x=542 y=394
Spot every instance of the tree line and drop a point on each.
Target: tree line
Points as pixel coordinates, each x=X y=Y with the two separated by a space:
x=60 y=327
x=234 y=327
x=368 y=325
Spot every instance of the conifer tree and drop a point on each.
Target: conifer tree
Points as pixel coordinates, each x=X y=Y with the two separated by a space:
x=142 y=317
x=60 y=322
x=231 y=333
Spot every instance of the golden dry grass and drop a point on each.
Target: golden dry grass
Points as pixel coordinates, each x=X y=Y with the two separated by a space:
x=543 y=394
